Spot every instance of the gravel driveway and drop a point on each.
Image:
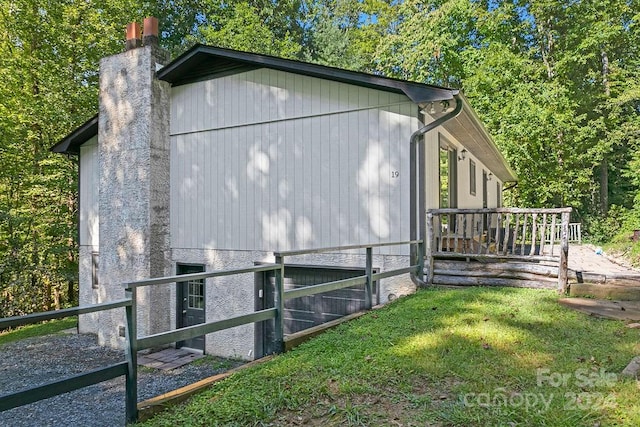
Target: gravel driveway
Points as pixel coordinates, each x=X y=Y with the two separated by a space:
x=36 y=361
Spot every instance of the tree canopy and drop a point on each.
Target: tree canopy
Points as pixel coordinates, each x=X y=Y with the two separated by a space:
x=557 y=84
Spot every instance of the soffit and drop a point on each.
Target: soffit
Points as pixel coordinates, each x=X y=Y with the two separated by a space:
x=472 y=134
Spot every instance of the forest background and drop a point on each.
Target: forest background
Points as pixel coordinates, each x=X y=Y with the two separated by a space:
x=557 y=83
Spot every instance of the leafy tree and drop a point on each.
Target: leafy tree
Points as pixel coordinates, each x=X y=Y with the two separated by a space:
x=260 y=26
x=49 y=52
x=547 y=78
x=557 y=83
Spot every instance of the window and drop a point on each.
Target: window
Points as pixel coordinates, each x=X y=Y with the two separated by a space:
x=448 y=174
x=195 y=294
x=444 y=177
x=472 y=177
x=192 y=291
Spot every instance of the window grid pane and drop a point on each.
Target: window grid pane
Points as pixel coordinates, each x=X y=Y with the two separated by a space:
x=195 y=298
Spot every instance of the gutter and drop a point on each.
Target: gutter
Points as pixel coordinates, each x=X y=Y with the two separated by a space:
x=416 y=151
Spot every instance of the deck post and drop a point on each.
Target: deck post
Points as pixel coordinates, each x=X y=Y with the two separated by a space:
x=131 y=354
x=368 y=287
x=279 y=304
x=564 y=254
x=428 y=247
x=420 y=260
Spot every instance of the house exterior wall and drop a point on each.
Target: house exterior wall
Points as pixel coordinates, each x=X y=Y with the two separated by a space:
x=268 y=161
x=88 y=237
x=288 y=162
x=235 y=295
x=225 y=171
x=465 y=198
x=432 y=174
x=88 y=194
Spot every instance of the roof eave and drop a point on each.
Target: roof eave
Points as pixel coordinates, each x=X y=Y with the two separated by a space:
x=418 y=92
x=71 y=143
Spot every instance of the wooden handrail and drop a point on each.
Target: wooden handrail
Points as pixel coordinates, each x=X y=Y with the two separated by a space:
x=538 y=234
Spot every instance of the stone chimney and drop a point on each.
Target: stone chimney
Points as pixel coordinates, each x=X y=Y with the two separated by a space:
x=133 y=157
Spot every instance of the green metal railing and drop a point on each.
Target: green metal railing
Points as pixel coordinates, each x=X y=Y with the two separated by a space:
x=35 y=394
x=129 y=368
x=141 y=343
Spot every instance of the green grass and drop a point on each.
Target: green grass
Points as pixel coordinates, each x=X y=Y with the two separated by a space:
x=46 y=328
x=468 y=357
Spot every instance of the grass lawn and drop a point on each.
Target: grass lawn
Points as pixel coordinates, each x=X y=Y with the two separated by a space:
x=46 y=328
x=467 y=357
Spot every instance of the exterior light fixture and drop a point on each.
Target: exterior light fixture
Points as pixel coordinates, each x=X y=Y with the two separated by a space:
x=489 y=176
x=445 y=106
x=463 y=155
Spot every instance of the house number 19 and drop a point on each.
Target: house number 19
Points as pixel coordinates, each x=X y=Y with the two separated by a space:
x=395 y=174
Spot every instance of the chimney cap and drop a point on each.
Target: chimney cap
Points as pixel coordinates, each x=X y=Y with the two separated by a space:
x=133 y=36
x=150 y=31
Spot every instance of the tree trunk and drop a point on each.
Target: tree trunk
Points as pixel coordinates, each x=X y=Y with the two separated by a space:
x=605 y=73
x=604 y=166
x=56 y=298
x=604 y=186
x=546 y=47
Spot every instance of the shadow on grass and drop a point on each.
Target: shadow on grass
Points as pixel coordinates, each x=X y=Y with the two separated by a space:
x=517 y=360
x=473 y=357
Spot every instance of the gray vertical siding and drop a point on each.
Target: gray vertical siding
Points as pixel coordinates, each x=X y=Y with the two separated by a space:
x=89 y=193
x=267 y=160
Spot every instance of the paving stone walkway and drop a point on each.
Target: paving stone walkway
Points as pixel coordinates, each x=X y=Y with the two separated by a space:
x=167 y=359
x=618 y=310
x=584 y=258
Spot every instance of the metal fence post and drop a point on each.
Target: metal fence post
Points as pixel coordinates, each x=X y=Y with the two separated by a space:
x=279 y=304
x=420 y=260
x=368 y=287
x=131 y=354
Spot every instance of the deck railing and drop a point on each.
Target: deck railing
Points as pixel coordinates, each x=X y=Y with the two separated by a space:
x=500 y=233
x=575 y=232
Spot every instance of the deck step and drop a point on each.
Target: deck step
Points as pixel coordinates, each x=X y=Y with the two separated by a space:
x=605 y=291
x=619 y=279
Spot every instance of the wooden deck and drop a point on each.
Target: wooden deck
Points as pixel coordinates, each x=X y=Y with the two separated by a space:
x=502 y=246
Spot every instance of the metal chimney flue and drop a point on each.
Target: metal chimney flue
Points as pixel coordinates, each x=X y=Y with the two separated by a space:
x=150 y=31
x=133 y=36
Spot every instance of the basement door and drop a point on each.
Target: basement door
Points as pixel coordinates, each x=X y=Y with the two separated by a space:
x=307 y=312
x=191 y=305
